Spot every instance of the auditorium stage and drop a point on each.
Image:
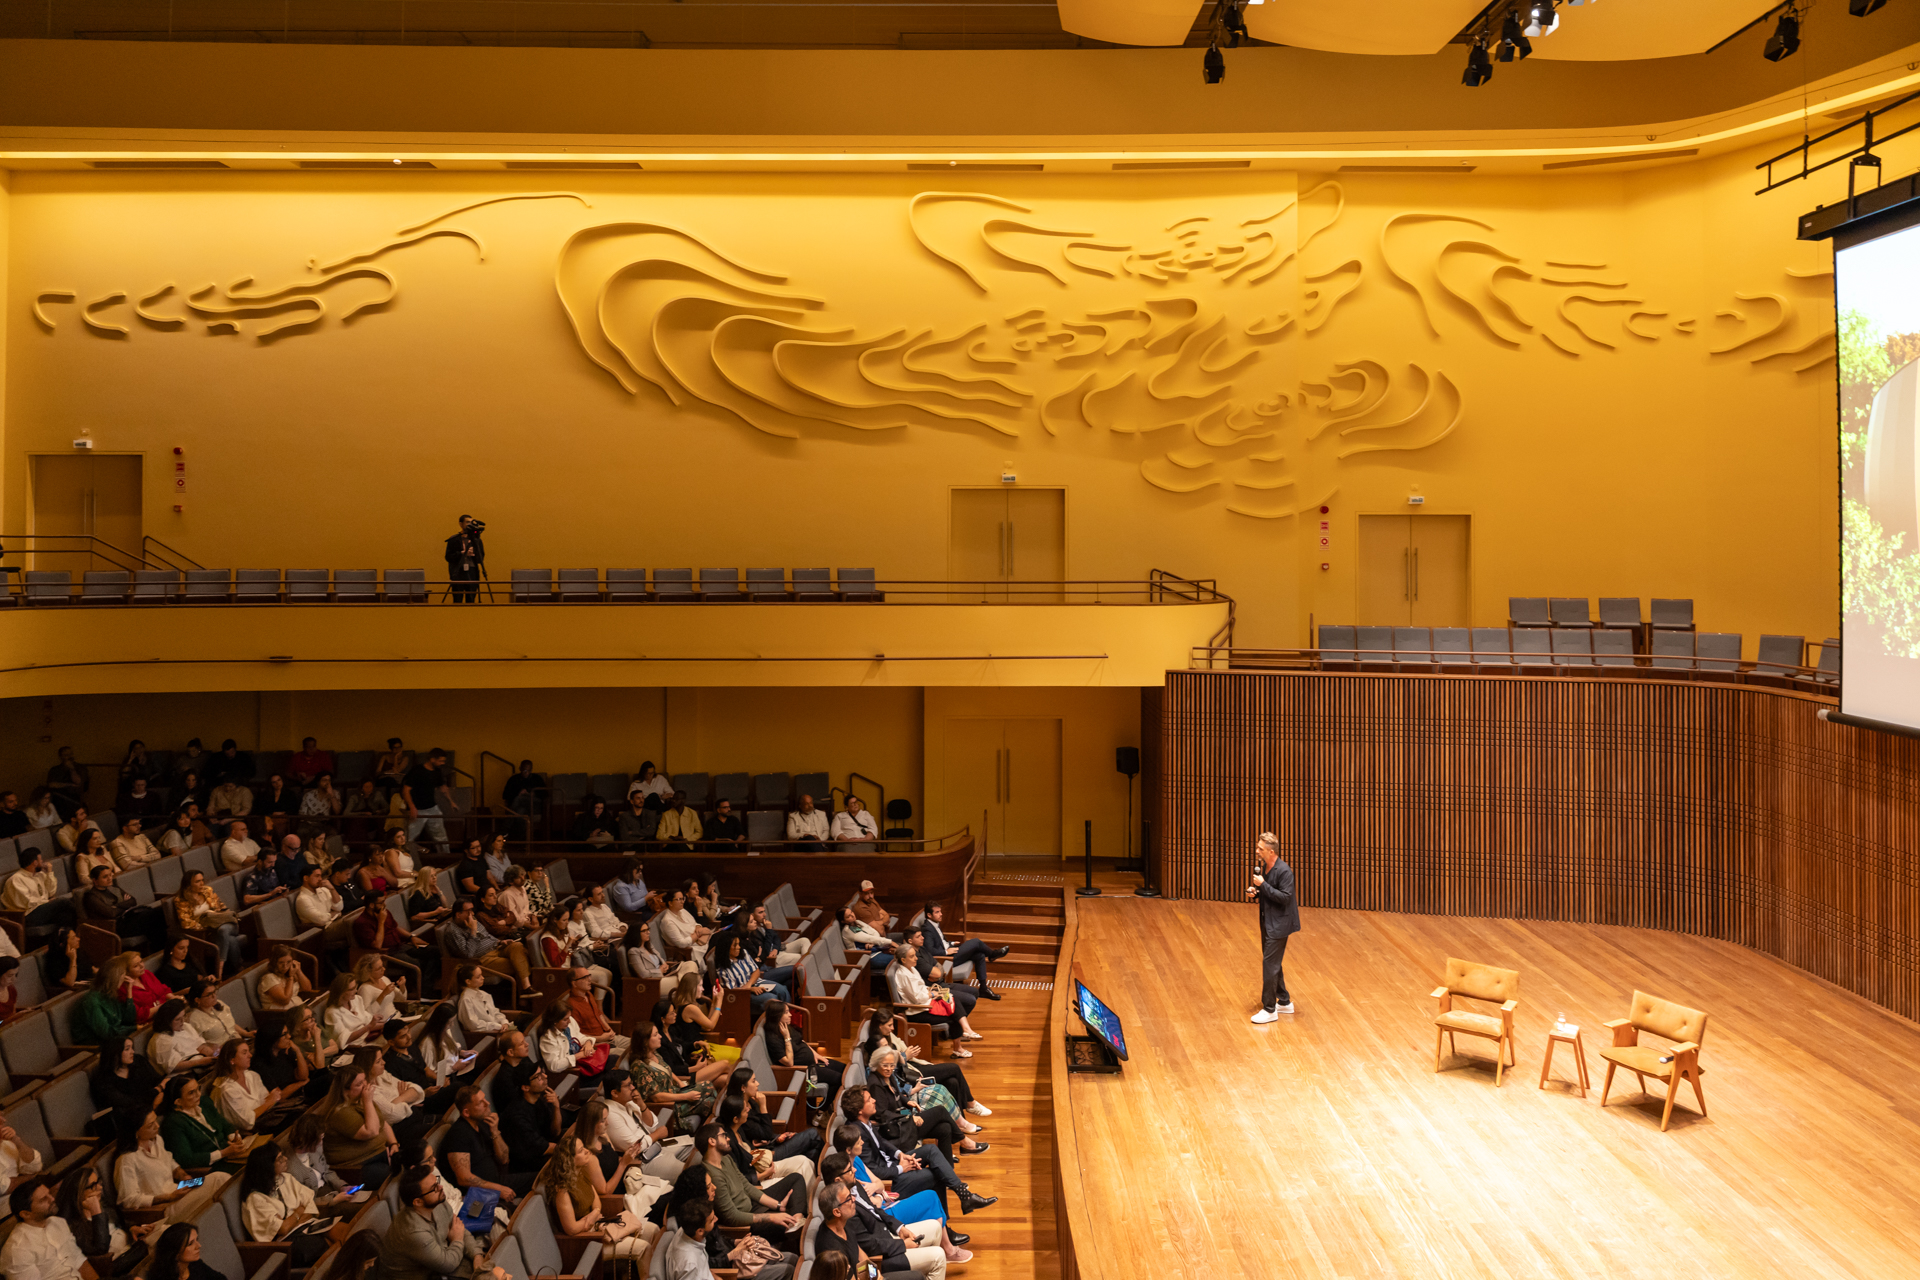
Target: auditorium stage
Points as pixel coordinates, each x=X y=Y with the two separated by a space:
x=1325 y=1145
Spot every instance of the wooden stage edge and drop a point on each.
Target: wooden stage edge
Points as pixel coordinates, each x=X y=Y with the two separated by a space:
x=1327 y=1144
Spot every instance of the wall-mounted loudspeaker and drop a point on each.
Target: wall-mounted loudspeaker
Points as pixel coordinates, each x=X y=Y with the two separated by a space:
x=1127 y=760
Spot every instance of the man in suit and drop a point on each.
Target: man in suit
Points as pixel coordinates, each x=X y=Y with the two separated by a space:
x=1279 y=920
x=921 y=1169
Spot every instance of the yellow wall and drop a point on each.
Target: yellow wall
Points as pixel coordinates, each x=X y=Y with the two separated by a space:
x=1656 y=462
x=874 y=731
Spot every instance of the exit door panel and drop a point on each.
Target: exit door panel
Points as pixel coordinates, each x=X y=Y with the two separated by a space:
x=1383 y=583
x=1440 y=558
x=1413 y=571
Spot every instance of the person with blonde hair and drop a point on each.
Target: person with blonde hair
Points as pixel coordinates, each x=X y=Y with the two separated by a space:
x=284 y=983
x=935 y=1005
x=346 y=1013
x=106 y=1010
x=239 y=1093
x=380 y=996
x=570 y=1190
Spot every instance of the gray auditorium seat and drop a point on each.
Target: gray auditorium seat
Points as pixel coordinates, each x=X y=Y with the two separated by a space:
x=771 y=790
x=1717 y=650
x=1674 y=614
x=355 y=584
x=812 y=584
x=568 y=788
x=155 y=586
x=1569 y=611
x=306 y=585
x=1781 y=655
x=1572 y=649
x=626 y=585
x=735 y=788
x=208 y=586
x=1416 y=643
x=611 y=787
x=1336 y=648
x=1532 y=647
x=256 y=585
x=1827 y=666
x=696 y=785
x=47 y=586
x=1374 y=645
x=578 y=585
x=675 y=585
x=353 y=767
x=409 y=586
x=766 y=584
x=817 y=785
x=857 y=584
x=720 y=584
x=531 y=585
x=1620 y=611
x=1613 y=648
x=1673 y=650
x=1528 y=611
x=1452 y=647
x=105 y=586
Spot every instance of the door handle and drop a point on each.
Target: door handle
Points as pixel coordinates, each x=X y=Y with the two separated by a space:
x=1406 y=574
x=1000 y=545
x=1416 y=573
x=1009 y=775
x=996 y=775
x=1011 y=575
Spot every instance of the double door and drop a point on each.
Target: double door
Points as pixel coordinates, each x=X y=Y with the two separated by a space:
x=1412 y=571
x=1005 y=772
x=1001 y=537
x=81 y=495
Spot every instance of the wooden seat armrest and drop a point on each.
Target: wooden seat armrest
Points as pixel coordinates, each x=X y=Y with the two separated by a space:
x=1439 y=993
x=1625 y=1034
x=725 y=1273
x=140 y=1217
x=1509 y=1006
x=1686 y=1048
x=734 y=1233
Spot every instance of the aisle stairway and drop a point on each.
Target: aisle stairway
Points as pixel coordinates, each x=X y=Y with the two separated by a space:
x=1024 y=915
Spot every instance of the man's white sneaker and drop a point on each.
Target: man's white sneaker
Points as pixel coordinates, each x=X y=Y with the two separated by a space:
x=1268 y=1015
x=1285 y=1008
x=975 y=1108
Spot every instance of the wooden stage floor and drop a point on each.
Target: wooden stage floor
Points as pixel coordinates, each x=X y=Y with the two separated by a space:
x=1325 y=1144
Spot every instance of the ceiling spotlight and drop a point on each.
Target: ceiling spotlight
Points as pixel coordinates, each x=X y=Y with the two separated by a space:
x=1235 y=24
x=1512 y=39
x=1861 y=8
x=1479 y=67
x=1541 y=19
x=1785 y=39
x=1215 y=65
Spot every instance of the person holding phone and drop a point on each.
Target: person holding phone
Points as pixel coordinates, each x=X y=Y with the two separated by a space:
x=427 y=1237
x=1279 y=920
x=275 y=1206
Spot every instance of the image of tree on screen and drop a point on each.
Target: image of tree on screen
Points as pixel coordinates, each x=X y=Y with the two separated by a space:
x=1879 y=403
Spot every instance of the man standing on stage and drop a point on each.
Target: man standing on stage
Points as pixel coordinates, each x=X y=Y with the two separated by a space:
x=1279 y=920
x=465 y=555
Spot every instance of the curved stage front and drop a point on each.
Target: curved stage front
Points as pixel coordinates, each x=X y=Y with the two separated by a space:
x=1327 y=1145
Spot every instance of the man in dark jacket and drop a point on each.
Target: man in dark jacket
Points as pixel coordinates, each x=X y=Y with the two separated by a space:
x=465 y=556
x=1279 y=920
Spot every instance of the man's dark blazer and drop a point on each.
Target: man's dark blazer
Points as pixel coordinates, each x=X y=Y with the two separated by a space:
x=1279 y=912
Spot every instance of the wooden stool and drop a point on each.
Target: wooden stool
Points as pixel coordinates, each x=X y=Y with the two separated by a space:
x=1571 y=1039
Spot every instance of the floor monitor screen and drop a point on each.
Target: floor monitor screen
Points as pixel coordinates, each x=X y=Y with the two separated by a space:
x=1877 y=295
x=1100 y=1020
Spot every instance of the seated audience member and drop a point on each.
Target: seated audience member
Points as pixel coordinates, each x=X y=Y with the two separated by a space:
x=854 y=824
x=135 y=766
x=367 y=801
x=124 y=1079
x=194 y=759
x=474 y=1152
x=584 y=998
x=320 y=807
x=292 y=861
x=516 y=905
x=97 y=1226
x=857 y=935
x=69 y=780
x=934 y=973
x=357 y=1135
x=725 y=825
x=380 y=995
x=651 y=786
x=238 y=851
x=441 y=1052
x=601 y=924
x=93 y=852
x=275 y=1206
x=644 y=962
x=836 y=1241
x=806 y=823
x=426 y=1237
x=344 y=1014
x=735 y=970
x=883 y=1032
x=636 y=824
x=631 y=1123
x=197 y=1135
x=896 y=1243
x=13 y=818
x=400 y=1103
x=180 y=835
x=242 y=1097
x=904 y=1114
x=343 y=876
x=680 y=935
x=494 y=916
x=680 y=826
x=425 y=905
x=935 y=1005
x=956 y=951
x=209 y=1014
x=392 y=765
x=771 y=951
x=41 y=1245
x=147 y=1176
x=9 y=987
x=760 y=1152
x=772 y=1212
x=292 y=1059
x=660 y=1075
x=464 y=938
x=611 y=1170
x=788 y=1048
x=583 y=947
x=525 y=794
x=470 y=874
x=307 y=1161
x=231 y=799
x=131 y=849
x=319 y=905
x=42 y=812
x=106 y=904
x=276 y=804
x=375 y=929
x=141 y=801
x=178 y=968
x=869 y=909
x=309 y=763
x=540 y=898
x=284 y=982
x=908 y=1169
x=106 y=1010
x=593 y=826
x=231 y=764
x=20 y=1160
x=681 y=1252
x=263 y=880
x=498 y=861
x=371 y=878
x=479 y=1015
x=35 y=890
x=628 y=895
x=530 y=1122
x=393 y=862
x=143 y=987
x=564 y=1046
x=404 y=1061
x=72 y=833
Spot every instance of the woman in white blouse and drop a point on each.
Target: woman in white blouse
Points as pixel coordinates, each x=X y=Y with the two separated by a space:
x=41 y=811
x=563 y=1045
x=441 y=1051
x=175 y=1044
x=380 y=996
x=146 y=1177
x=680 y=934
x=93 y=852
x=284 y=984
x=276 y=1206
x=395 y=861
x=209 y=1014
x=910 y=990
x=479 y=1015
x=242 y=1097
x=347 y=1019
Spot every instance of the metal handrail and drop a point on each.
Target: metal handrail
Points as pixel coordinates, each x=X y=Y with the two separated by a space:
x=129 y=561
x=1161 y=580
x=1207 y=657
x=166 y=555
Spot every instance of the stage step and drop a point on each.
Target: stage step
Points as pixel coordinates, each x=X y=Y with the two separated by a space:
x=989 y=900
x=1008 y=928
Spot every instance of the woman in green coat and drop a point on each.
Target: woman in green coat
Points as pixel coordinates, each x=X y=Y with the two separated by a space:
x=105 y=1011
x=195 y=1132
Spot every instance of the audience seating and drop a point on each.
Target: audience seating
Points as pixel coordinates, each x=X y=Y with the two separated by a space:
x=1468 y=980
x=209 y=586
x=306 y=585
x=1680 y=1060
x=1416 y=644
x=1528 y=611
x=720 y=584
x=812 y=784
x=857 y=584
x=355 y=584
x=256 y=585
x=1336 y=647
x=1375 y=645
x=579 y=584
x=47 y=586
x=1569 y=611
x=1532 y=647
x=1492 y=646
x=531 y=585
x=1452 y=646
x=812 y=583
x=155 y=586
x=1620 y=611
x=1716 y=651
x=767 y=584
x=1672 y=615
x=1613 y=648
x=1673 y=650
x=674 y=586
x=626 y=585
x=105 y=586
x=408 y=586
x=29 y=1052
x=1573 y=650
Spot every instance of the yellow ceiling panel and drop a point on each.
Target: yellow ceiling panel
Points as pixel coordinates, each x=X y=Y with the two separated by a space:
x=1617 y=30
x=1144 y=22
x=1378 y=26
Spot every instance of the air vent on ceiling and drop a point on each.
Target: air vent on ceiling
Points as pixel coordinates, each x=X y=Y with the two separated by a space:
x=366 y=164
x=1643 y=155
x=1120 y=165
x=1407 y=168
x=628 y=165
x=158 y=164
x=962 y=166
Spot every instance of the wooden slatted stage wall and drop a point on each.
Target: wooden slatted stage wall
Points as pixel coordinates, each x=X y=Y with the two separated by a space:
x=1719 y=810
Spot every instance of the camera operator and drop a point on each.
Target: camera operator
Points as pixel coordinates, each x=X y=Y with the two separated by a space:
x=466 y=556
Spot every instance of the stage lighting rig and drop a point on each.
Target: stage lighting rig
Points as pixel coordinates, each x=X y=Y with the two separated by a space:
x=1541 y=18
x=1214 y=67
x=1229 y=28
x=1479 y=66
x=1785 y=40
x=1513 y=41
